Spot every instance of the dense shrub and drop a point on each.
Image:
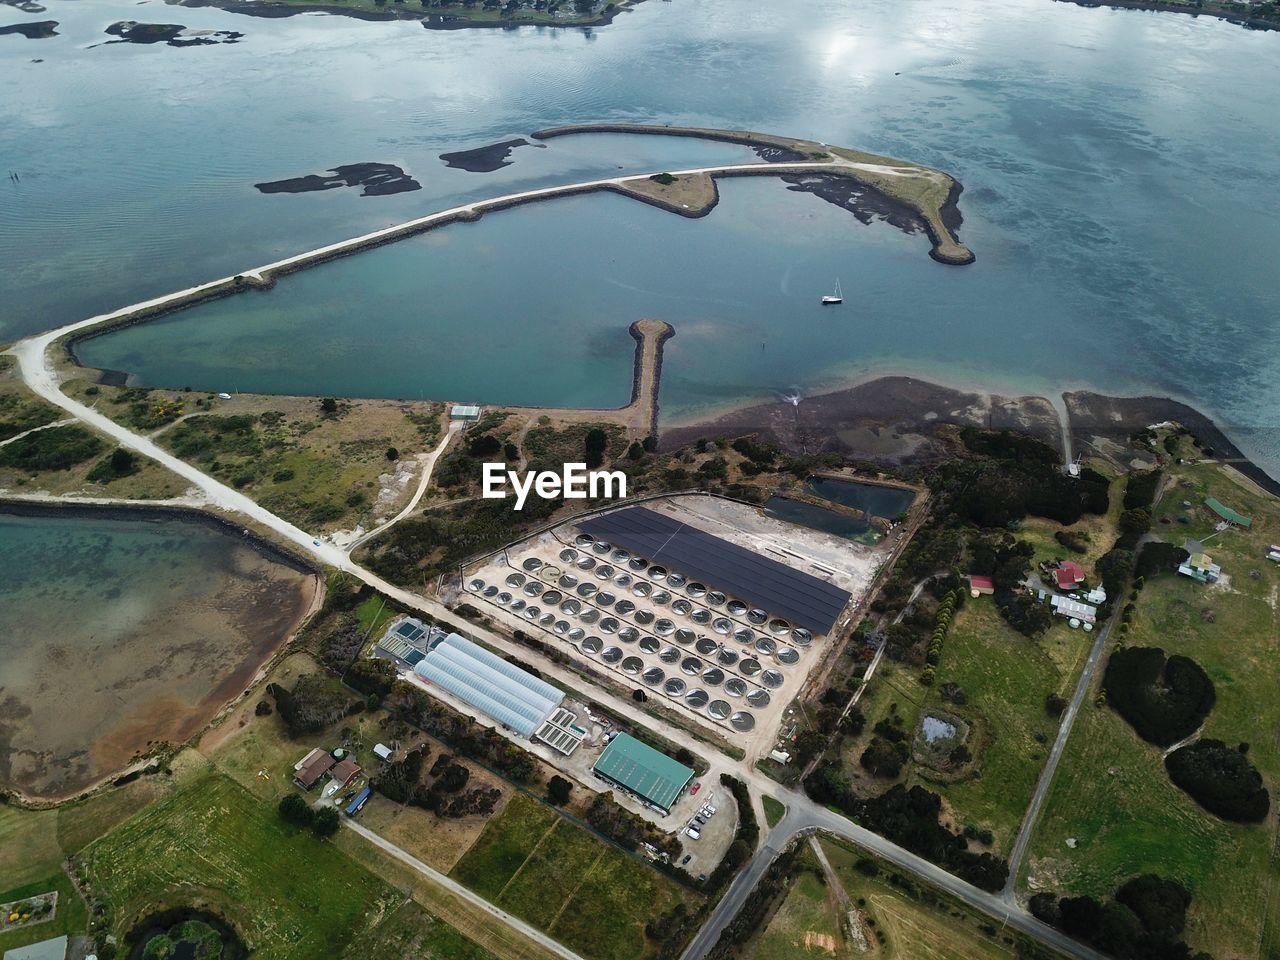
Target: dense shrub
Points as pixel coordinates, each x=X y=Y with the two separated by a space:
x=315 y=702
x=1156 y=557
x=1161 y=905
x=1142 y=921
x=1140 y=489
x=121 y=463
x=58 y=448
x=1163 y=700
x=1221 y=779
x=883 y=758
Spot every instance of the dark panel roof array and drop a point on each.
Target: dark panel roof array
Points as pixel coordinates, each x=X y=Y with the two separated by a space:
x=782 y=590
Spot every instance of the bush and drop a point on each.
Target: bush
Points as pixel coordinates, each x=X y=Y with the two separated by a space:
x=1156 y=557
x=1220 y=779
x=121 y=463
x=559 y=790
x=294 y=809
x=1159 y=904
x=1140 y=489
x=1163 y=700
x=393 y=454
x=325 y=823
x=58 y=448
x=882 y=758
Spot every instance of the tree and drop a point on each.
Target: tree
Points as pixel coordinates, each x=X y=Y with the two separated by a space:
x=325 y=822
x=1160 y=904
x=595 y=443
x=328 y=405
x=558 y=790
x=393 y=454
x=635 y=451
x=294 y=809
x=1054 y=704
x=485 y=445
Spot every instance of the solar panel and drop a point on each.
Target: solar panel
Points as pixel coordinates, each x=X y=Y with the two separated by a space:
x=785 y=591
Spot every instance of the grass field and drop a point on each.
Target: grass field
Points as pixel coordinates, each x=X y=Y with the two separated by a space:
x=590 y=896
x=1005 y=677
x=773 y=811
x=806 y=923
x=70 y=917
x=215 y=843
x=1112 y=793
x=411 y=933
x=912 y=929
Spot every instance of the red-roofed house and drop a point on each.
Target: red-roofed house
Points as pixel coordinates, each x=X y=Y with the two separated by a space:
x=981 y=585
x=1069 y=575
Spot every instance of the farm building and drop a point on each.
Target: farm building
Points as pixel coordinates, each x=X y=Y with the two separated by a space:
x=642 y=771
x=1200 y=566
x=344 y=771
x=1227 y=514
x=464 y=411
x=1068 y=575
x=513 y=697
x=981 y=586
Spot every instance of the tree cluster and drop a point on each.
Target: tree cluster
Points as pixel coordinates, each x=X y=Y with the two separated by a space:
x=314 y=703
x=626 y=828
x=1221 y=779
x=1143 y=921
x=403 y=782
x=1156 y=557
x=1163 y=700
x=295 y=810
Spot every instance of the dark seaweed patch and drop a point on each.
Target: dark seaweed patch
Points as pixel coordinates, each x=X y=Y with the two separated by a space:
x=484 y=159
x=39 y=30
x=376 y=179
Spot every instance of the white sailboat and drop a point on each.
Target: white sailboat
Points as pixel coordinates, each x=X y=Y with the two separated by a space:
x=832 y=299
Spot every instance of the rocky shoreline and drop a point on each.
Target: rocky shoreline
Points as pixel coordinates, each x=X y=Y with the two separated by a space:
x=1243 y=19
x=274 y=10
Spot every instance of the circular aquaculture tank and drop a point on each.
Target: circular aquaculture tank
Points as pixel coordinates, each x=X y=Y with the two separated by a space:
x=742 y=721
x=715 y=598
x=664 y=627
x=657 y=573
x=700 y=616
x=561 y=627
x=547 y=619
x=691 y=665
x=601 y=547
x=736 y=607
x=727 y=657
x=674 y=687
x=532 y=611
x=586 y=563
x=609 y=625
x=788 y=655
x=696 y=590
x=721 y=626
x=706 y=645
x=604 y=599
x=654 y=676
x=571 y=606
x=661 y=597
x=603 y=572
x=623 y=579
x=568 y=580
x=476 y=585
x=801 y=636
x=641 y=589
x=719 y=709
x=552 y=597
x=676 y=579
x=531 y=563
x=757 y=616
x=590 y=615
x=744 y=634
x=644 y=617
x=759 y=698
x=632 y=666
x=735 y=686
x=517 y=605
x=697 y=698
x=637 y=563
x=624 y=607
x=592 y=645
x=587 y=590
x=779 y=627
x=771 y=678
x=549 y=572
x=713 y=677
x=504 y=598
x=684 y=635
x=533 y=588
x=585 y=540
x=669 y=654
x=682 y=607
x=767 y=645
x=620 y=555
x=611 y=654
x=576 y=634
x=515 y=580
x=650 y=645
x=568 y=554
x=749 y=667
x=628 y=634
x=491 y=591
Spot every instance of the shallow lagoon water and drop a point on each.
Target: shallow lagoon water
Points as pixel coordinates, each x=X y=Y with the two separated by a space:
x=1120 y=169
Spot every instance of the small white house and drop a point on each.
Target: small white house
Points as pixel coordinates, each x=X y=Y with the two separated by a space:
x=464 y=411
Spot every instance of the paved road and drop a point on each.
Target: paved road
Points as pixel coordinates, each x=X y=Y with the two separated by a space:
x=537 y=936
x=1055 y=754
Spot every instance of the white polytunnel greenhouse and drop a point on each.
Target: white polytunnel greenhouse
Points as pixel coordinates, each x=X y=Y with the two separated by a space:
x=513 y=697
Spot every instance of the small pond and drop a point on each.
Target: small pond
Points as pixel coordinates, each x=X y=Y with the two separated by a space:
x=185 y=934
x=935 y=728
x=816 y=518
x=872 y=498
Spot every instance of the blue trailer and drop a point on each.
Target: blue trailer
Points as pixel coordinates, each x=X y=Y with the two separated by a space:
x=354 y=807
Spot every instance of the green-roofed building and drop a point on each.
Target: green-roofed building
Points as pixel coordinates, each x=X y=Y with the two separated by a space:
x=642 y=771
x=1227 y=514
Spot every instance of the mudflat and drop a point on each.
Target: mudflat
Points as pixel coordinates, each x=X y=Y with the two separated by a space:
x=123 y=630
